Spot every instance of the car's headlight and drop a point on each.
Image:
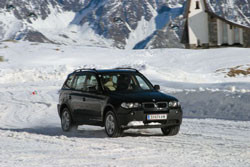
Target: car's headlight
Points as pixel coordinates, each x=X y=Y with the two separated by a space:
x=130 y=105
x=174 y=104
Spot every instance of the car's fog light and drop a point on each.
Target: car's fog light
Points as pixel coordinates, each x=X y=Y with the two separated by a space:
x=132 y=113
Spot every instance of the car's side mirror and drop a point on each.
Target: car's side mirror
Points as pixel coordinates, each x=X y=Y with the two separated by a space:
x=157 y=87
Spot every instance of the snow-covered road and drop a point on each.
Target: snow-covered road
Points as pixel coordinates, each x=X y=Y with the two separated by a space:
x=30 y=135
x=200 y=143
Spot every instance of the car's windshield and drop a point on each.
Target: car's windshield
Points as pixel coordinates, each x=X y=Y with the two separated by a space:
x=125 y=82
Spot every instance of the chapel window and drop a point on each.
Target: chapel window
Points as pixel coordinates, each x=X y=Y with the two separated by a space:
x=197 y=5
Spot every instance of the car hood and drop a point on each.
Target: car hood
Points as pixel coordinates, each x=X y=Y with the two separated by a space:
x=143 y=96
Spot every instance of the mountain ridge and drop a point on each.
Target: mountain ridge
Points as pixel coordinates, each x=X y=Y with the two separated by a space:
x=124 y=24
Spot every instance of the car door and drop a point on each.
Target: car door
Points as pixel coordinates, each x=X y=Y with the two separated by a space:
x=64 y=97
x=78 y=99
x=94 y=99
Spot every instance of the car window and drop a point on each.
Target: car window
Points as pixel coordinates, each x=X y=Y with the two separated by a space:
x=110 y=82
x=124 y=82
x=68 y=83
x=91 y=83
x=142 y=83
x=80 y=82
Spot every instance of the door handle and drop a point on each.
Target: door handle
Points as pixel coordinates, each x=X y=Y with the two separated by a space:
x=70 y=97
x=83 y=99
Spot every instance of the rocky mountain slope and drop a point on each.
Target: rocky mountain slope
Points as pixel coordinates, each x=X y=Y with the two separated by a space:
x=118 y=23
x=127 y=22
x=17 y=16
x=124 y=24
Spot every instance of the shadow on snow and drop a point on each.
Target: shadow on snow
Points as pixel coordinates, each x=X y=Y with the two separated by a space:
x=83 y=132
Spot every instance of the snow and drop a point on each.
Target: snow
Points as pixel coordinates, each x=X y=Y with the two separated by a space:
x=140 y=123
x=81 y=14
x=55 y=21
x=9 y=25
x=190 y=67
x=59 y=28
x=200 y=143
x=30 y=133
x=142 y=31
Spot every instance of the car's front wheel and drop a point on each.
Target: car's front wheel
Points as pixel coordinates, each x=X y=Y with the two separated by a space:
x=170 y=131
x=66 y=121
x=111 y=126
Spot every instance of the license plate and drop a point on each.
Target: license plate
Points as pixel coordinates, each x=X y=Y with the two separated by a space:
x=157 y=117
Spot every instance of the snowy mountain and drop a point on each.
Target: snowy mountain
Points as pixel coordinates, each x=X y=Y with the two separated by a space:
x=17 y=16
x=122 y=24
x=126 y=24
x=73 y=5
x=44 y=21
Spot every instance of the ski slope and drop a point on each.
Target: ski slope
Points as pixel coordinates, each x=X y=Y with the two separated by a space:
x=30 y=133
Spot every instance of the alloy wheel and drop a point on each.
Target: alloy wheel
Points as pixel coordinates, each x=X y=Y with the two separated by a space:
x=66 y=121
x=110 y=124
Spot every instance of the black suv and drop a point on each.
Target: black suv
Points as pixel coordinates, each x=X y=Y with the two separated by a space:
x=117 y=99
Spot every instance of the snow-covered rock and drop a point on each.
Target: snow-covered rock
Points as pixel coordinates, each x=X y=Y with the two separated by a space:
x=128 y=22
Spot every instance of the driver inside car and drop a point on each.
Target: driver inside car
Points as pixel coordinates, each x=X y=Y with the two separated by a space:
x=109 y=84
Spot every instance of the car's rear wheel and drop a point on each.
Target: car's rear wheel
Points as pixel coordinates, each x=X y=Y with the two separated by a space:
x=111 y=126
x=170 y=131
x=66 y=121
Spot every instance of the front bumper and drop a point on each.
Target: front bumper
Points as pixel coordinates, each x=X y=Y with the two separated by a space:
x=124 y=117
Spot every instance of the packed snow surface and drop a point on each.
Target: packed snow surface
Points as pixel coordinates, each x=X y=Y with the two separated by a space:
x=30 y=134
x=200 y=143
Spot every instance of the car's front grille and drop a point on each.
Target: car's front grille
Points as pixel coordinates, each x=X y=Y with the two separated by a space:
x=162 y=105
x=149 y=105
x=155 y=107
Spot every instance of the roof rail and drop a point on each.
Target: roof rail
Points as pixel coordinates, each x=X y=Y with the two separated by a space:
x=85 y=69
x=126 y=68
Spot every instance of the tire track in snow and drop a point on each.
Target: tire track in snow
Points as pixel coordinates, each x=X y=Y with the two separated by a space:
x=21 y=109
x=206 y=149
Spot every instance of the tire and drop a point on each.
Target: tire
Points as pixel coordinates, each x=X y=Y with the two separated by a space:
x=111 y=126
x=170 y=131
x=66 y=121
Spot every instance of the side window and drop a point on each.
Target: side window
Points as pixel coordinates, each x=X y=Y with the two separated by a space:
x=142 y=83
x=91 y=83
x=68 y=83
x=80 y=82
x=109 y=82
